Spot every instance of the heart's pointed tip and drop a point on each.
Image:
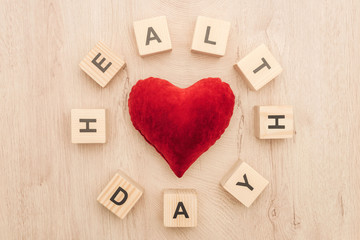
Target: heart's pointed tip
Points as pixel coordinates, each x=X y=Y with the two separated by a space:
x=179 y=173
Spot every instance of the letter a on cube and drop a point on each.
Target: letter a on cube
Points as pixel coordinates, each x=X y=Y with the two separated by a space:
x=120 y=194
x=152 y=36
x=180 y=208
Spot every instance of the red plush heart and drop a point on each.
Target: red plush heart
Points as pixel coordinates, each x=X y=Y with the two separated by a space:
x=181 y=123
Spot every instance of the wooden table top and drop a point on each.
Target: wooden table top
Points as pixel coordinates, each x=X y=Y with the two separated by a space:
x=49 y=186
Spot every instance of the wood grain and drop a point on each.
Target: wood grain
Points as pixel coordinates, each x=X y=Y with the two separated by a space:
x=258 y=67
x=92 y=123
x=120 y=194
x=210 y=36
x=266 y=117
x=49 y=186
x=158 y=37
x=107 y=64
x=180 y=208
x=239 y=173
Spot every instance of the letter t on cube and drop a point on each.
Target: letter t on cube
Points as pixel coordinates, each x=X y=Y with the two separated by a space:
x=120 y=195
x=258 y=67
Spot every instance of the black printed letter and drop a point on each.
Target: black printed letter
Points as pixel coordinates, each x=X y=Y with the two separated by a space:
x=207 y=36
x=276 y=126
x=98 y=64
x=149 y=38
x=116 y=193
x=245 y=184
x=88 y=121
x=265 y=64
x=177 y=211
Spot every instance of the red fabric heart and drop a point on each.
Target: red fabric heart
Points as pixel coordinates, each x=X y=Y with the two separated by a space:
x=181 y=123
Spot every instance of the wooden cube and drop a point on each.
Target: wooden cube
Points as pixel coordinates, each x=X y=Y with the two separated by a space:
x=210 y=36
x=101 y=64
x=244 y=183
x=258 y=68
x=120 y=194
x=180 y=208
x=88 y=126
x=274 y=122
x=152 y=36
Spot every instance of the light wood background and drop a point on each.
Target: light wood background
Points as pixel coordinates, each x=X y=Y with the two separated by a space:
x=48 y=186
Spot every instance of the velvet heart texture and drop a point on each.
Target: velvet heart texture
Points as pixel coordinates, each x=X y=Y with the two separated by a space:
x=181 y=123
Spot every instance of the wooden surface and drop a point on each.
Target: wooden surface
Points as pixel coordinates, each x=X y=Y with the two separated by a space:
x=180 y=207
x=159 y=40
x=244 y=183
x=120 y=194
x=254 y=67
x=49 y=186
x=274 y=122
x=88 y=126
x=106 y=65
